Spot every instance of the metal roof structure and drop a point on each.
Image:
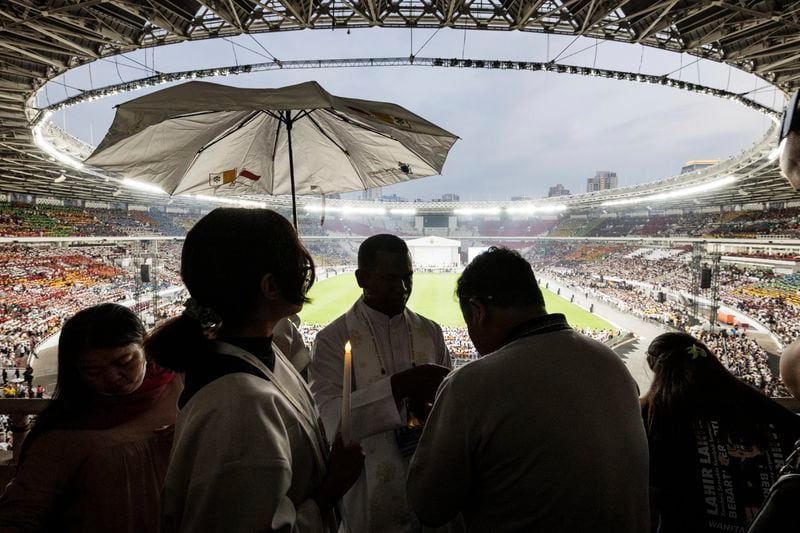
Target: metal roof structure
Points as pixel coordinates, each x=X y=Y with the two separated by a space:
x=41 y=39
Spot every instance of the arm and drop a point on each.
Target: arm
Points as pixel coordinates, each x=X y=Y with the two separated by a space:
x=30 y=498
x=374 y=409
x=441 y=470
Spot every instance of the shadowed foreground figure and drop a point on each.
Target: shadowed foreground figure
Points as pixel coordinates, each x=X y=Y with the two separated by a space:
x=249 y=452
x=716 y=444
x=543 y=433
x=97 y=456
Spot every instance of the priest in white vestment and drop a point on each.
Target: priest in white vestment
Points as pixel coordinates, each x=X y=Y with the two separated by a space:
x=399 y=360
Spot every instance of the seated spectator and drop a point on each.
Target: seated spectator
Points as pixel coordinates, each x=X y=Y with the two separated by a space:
x=96 y=457
x=716 y=444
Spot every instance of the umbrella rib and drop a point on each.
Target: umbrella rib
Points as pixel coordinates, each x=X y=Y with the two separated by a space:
x=274 y=147
x=195 y=114
x=230 y=132
x=327 y=135
x=359 y=124
x=344 y=150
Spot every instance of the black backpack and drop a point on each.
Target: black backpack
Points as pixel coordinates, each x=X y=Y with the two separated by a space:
x=780 y=512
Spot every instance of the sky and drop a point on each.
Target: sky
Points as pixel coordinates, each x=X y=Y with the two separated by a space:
x=521 y=132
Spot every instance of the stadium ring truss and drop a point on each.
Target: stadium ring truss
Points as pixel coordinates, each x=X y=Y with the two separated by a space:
x=42 y=39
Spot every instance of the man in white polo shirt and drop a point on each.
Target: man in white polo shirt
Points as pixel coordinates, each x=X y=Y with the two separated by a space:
x=543 y=433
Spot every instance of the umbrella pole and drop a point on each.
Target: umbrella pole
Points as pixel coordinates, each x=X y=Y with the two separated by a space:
x=291 y=166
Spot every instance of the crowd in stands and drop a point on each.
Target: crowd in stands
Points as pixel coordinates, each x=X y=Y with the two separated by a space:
x=632 y=279
x=23 y=220
x=40 y=286
x=457 y=340
x=744 y=224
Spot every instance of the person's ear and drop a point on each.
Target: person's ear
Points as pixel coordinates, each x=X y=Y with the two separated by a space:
x=479 y=310
x=790 y=159
x=362 y=277
x=269 y=287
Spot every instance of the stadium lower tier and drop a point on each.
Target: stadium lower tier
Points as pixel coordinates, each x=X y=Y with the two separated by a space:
x=41 y=286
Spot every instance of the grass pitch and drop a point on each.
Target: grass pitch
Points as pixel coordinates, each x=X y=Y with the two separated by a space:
x=432 y=297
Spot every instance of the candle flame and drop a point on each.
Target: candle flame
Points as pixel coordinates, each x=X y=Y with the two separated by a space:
x=347 y=346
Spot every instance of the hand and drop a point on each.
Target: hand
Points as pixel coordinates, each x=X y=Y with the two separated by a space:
x=419 y=384
x=344 y=468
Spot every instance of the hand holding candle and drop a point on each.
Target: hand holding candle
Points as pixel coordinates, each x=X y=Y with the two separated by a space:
x=347 y=426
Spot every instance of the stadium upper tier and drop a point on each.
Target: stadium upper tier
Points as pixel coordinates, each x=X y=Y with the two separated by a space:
x=42 y=221
x=41 y=41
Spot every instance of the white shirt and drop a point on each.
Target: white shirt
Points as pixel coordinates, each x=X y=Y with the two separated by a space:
x=545 y=434
x=373 y=408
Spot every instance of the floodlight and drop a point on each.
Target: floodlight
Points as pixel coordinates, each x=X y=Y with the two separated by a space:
x=142 y=186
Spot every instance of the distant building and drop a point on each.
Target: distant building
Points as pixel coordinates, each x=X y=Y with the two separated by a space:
x=699 y=164
x=558 y=190
x=393 y=198
x=602 y=180
x=450 y=197
x=372 y=194
x=522 y=198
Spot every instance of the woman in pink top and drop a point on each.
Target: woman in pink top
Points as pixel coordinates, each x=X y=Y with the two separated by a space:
x=97 y=456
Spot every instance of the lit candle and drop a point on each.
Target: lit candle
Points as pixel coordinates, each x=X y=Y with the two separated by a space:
x=347 y=426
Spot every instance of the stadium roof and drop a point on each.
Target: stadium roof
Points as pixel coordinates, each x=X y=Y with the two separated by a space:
x=41 y=39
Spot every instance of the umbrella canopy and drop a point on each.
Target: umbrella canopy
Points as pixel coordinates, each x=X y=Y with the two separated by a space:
x=206 y=138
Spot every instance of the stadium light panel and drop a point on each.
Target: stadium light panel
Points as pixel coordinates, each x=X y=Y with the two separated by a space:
x=403 y=211
x=52 y=151
x=228 y=201
x=142 y=186
x=477 y=211
x=670 y=195
x=534 y=209
x=346 y=210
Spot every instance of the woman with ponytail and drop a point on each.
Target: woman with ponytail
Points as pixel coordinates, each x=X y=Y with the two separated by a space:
x=249 y=451
x=96 y=458
x=716 y=444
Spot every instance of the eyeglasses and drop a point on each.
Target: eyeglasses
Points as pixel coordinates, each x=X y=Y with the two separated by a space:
x=791 y=117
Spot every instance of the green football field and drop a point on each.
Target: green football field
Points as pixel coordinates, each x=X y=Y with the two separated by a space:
x=433 y=297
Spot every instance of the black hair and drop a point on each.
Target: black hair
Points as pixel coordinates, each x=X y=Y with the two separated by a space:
x=383 y=242
x=107 y=325
x=502 y=277
x=225 y=256
x=688 y=379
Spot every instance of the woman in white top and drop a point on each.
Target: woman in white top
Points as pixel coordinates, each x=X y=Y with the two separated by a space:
x=249 y=452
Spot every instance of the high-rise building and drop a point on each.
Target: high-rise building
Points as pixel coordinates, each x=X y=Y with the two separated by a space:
x=602 y=180
x=393 y=198
x=558 y=190
x=698 y=164
x=450 y=197
x=374 y=193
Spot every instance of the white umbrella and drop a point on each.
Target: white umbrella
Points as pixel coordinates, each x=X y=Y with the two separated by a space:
x=205 y=138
